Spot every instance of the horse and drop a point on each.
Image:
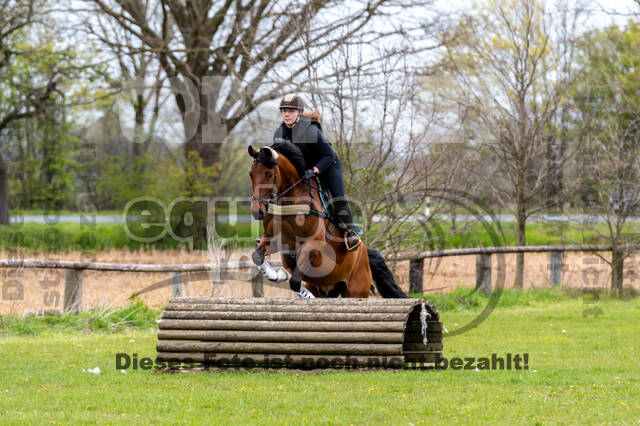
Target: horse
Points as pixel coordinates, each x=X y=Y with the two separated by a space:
x=296 y=225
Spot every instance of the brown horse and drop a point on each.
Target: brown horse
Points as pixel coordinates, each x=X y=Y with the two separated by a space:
x=297 y=226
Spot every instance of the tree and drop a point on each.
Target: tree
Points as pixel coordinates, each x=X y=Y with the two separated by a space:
x=137 y=80
x=608 y=101
x=33 y=71
x=506 y=77
x=237 y=55
x=380 y=128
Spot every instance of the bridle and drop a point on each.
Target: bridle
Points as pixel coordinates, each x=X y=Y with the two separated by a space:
x=273 y=196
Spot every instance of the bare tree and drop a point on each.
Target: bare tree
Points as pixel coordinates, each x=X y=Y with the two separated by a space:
x=607 y=106
x=139 y=79
x=258 y=48
x=382 y=131
x=509 y=82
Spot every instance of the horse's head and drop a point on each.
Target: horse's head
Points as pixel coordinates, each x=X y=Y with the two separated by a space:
x=264 y=179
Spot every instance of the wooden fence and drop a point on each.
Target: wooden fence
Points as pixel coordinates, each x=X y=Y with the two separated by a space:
x=228 y=270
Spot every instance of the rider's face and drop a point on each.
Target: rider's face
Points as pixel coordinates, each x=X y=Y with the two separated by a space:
x=289 y=116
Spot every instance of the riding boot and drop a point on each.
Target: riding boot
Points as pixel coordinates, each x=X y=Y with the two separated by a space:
x=344 y=222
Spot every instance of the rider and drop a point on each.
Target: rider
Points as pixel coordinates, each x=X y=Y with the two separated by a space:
x=306 y=133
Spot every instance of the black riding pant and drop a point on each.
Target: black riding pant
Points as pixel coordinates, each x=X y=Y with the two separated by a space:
x=332 y=179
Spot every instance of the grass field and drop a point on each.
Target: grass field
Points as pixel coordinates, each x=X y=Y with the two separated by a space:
x=67 y=236
x=581 y=371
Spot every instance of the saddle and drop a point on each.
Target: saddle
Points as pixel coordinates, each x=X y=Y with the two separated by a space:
x=325 y=195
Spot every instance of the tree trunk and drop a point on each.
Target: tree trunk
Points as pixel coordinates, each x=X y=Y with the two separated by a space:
x=138 y=132
x=209 y=133
x=617 y=265
x=4 y=193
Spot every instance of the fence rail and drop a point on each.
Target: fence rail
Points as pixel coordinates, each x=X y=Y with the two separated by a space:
x=73 y=279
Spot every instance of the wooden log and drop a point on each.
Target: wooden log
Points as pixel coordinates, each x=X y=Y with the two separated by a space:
x=499 y=250
x=555 y=260
x=363 y=326
x=432 y=326
x=284 y=308
x=417 y=337
x=277 y=301
x=283 y=316
x=128 y=267
x=73 y=291
x=416 y=276
x=422 y=357
x=419 y=347
x=281 y=336
x=483 y=273
x=176 y=284
x=276 y=348
x=417 y=310
x=232 y=266
x=277 y=361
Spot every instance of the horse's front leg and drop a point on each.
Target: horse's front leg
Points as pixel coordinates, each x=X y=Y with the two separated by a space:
x=258 y=256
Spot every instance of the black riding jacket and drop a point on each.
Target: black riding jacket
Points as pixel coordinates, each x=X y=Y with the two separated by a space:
x=307 y=135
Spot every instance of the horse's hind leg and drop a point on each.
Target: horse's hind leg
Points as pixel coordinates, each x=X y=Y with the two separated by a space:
x=338 y=290
x=359 y=285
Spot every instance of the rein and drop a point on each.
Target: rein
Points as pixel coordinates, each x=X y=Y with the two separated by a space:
x=273 y=196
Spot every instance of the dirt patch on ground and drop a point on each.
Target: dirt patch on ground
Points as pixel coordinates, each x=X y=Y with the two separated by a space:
x=38 y=290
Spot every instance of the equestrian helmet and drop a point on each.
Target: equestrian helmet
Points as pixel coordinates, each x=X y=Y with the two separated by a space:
x=292 y=100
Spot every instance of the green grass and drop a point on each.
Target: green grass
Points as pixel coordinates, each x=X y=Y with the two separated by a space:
x=241 y=209
x=48 y=213
x=83 y=237
x=504 y=234
x=67 y=236
x=135 y=315
x=466 y=298
x=581 y=371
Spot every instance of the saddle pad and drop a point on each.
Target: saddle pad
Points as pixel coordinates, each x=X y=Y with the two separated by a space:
x=288 y=210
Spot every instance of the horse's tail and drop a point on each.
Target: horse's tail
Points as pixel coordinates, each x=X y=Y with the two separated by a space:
x=383 y=277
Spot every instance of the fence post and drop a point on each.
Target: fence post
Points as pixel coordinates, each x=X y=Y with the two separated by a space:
x=73 y=291
x=257 y=288
x=416 y=276
x=555 y=258
x=483 y=272
x=176 y=284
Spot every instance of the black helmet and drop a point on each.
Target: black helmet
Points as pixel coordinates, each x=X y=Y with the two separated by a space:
x=292 y=100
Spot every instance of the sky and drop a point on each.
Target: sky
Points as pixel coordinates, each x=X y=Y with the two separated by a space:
x=599 y=18
x=602 y=19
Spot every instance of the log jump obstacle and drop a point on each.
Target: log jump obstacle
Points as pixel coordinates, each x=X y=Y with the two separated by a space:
x=300 y=334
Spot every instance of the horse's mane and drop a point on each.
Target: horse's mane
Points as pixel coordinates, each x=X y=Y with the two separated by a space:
x=293 y=154
x=289 y=150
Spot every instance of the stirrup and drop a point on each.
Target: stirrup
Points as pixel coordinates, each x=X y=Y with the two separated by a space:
x=346 y=240
x=304 y=293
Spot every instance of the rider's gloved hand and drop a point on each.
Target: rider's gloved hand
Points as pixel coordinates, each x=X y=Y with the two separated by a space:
x=309 y=174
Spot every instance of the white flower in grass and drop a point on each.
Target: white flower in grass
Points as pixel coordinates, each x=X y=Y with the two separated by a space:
x=93 y=370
